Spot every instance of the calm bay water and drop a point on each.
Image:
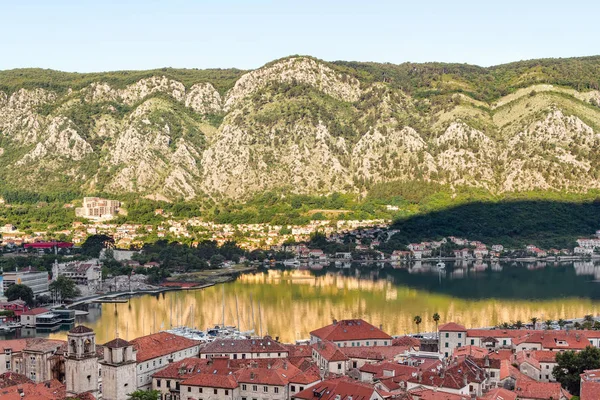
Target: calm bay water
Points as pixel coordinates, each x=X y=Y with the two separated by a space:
x=294 y=302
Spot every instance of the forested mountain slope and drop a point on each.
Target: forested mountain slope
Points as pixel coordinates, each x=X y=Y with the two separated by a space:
x=302 y=125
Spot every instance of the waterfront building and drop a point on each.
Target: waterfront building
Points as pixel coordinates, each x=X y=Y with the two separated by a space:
x=37 y=281
x=29 y=317
x=351 y=333
x=245 y=348
x=87 y=273
x=156 y=351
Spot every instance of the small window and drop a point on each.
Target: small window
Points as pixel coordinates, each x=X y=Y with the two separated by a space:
x=293 y=388
x=189 y=388
x=216 y=391
x=472 y=341
x=266 y=389
x=276 y=390
x=446 y=345
x=447 y=334
x=243 y=387
x=226 y=391
x=158 y=383
x=460 y=335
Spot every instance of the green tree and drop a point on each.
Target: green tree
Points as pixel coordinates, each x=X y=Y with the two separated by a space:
x=561 y=323
x=417 y=320
x=534 y=321
x=94 y=244
x=548 y=323
x=519 y=324
x=216 y=261
x=144 y=395
x=436 y=319
x=18 y=291
x=65 y=287
x=570 y=365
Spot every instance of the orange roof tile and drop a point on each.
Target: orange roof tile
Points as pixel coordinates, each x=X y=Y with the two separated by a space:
x=160 y=344
x=343 y=387
x=226 y=346
x=51 y=390
x=212 y=381
x=500 y=394
x=350 y=329
x=329 y=351
x=539 y=390
x=452 y=327
x=590 y=385
x=429 y=394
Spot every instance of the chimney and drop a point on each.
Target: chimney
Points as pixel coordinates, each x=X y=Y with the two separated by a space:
x=252 y=375
x=285 y=364
x=380 y=327
x=465 y=381
x=335 y=321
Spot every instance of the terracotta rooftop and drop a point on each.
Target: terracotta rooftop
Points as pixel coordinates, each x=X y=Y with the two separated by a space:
x=500 y=394
x=52 y=390
x=378 y=353
x=329 y=351
x=44 y=345
x=540 y=390
x=11 y=378
x=342 y=387
x=554 y=340
x=117 y=343
x=428 y=394
x=406 y=341
x=278 y=374
x=226 y=346
x=452 y=327
x=212 y=381
x=185 y=369
x=452 y=377
x=350 y=329
x=160 y=344
x=590 y=385
x=81 y=329
x=36 y=311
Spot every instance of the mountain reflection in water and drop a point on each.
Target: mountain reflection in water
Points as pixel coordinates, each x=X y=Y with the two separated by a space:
x=294 y=302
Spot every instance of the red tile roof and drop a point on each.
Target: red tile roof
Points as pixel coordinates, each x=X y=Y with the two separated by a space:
x=378 y=353
x=184 y=369
x=499 y=394
x=36 y=311
x=117 y=343
x=453 y=377
x=10 y=378
x=51 y=390
x=392 y=369
x=422 y=393
x=549 y=340
x=590 y=385
x=160 y=344
x=350 y=329
x=14 y=345
x=329 y=351
x=406 y=341
x=227 y=346
x=343 y=387
x=278 y=374
x=540 y=390
x=471 y=351
x=452 y=327
x=212 y=381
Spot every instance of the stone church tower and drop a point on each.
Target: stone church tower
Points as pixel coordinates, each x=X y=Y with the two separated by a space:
x=81 y=362
x=119 y=373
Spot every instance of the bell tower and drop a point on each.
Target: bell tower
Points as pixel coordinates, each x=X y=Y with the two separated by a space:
x=81 y=362
x=119 y=373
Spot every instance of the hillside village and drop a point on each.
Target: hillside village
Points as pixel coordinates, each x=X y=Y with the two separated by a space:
x=348 y=359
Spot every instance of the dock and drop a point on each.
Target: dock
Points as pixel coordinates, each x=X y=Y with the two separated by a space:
x=98 y=301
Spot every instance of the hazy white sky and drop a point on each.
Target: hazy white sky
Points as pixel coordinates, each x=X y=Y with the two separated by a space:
x=100 y=35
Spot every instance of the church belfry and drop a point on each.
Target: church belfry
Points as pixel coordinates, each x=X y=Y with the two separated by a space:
x=81 y=362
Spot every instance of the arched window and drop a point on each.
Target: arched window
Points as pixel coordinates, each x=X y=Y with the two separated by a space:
x=73 y=349
x=87 y=346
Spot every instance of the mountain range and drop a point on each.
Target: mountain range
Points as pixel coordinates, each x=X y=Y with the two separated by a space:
x=302 y=125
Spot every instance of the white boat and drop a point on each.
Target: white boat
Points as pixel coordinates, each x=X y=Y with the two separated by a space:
x=291 y=263
x=440 y=265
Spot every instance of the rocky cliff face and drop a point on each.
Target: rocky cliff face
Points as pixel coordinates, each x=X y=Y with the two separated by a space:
x=298 y=125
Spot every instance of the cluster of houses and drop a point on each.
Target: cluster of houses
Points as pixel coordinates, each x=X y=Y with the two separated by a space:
x=348 y=359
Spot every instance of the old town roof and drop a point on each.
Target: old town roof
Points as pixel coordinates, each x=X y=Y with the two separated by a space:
x=160 y=344
x=332 y=388
x=350 y=329
x=223 y=346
